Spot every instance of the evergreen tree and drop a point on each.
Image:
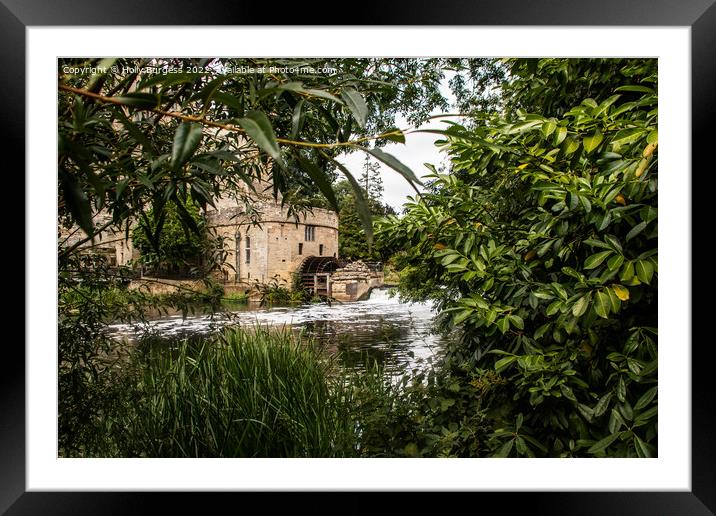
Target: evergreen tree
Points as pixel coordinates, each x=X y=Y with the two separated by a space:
x=371 y=181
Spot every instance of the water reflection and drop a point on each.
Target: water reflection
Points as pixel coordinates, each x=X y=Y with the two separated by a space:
x=378 y=329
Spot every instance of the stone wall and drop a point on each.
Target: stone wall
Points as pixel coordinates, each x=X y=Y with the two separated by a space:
x=111 y=242
x=165 y=286
x=351 y=282
x=276 y=246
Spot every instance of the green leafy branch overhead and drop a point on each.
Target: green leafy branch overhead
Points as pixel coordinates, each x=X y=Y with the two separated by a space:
x=130 y=139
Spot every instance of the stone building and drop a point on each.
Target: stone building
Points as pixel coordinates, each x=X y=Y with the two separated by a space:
x=275 y=247
x=110 y=243
x=272 y=244
x=268 y=244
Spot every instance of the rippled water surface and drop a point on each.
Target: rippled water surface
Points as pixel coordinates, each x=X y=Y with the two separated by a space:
x=380 y=328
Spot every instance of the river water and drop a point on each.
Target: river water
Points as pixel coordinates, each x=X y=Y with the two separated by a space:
x=380 y=328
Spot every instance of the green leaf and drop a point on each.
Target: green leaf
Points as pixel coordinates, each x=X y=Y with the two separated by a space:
x=615 y=262
x=462 y=316
x=534 y=442
x=590 y=102
x=580 y=306
x=134 y=131
x=542 y=330
x=596 y=243
x=395 y=135
x=603 y=444
x=297 y=119
x=602 y=405
x=606 y=219
x=229 y=100
x=637 y=88
x=553 y=307
x=395 y=164
x=613 y=300
x=322 y=181
x=653 y=137
x=559 y=136
x=613 y=243
x=517 y=322
x=567 y=392
x=602 y=304
x=604 y=105
x=186 y=140
x=595 y=260
x=586 y=412
x=627 y=272
x=361 y=203
x=636 y=230
x=644 y=270
x=258 y=128
x=569 y=146
x=548 y=128
x=103 y=64
x=356 y=104
x=411 y=450
x=646 y=398
x=627 y=135
x=297 y=86
x=449 y=258
x=646 y=415
x=505 y=450
x=592 y=142
x=141 y=100
x=503 y=324
x=621 y=389
x=642 y=449
x=77 y=202
x=616 y=421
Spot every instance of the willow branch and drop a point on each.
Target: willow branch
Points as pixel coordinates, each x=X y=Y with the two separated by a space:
x=234 y=128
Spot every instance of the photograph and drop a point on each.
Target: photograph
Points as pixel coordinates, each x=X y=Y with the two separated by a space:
x=357 y=257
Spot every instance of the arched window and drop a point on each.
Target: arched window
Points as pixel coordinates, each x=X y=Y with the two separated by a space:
x=248 y=249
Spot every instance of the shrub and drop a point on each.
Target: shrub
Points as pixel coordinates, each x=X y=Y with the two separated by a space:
x=540 y=246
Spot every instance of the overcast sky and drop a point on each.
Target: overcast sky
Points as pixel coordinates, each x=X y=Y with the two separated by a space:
x=418 y=149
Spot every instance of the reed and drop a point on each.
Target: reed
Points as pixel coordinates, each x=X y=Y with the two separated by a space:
x=257 y=393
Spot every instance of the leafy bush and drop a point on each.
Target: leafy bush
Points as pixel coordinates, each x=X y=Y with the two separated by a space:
x=175 y=240
x=236 y=298
x=276 y=292
x=543 y=252
x=423 y=414
x=89 y=295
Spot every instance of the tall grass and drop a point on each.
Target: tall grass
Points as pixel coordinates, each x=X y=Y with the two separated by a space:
x=258 y=393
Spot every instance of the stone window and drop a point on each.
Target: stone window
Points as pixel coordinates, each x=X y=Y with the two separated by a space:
x=310 y=233
x=300 y=248
x=238 y=254
x=248 y=249
x=320 y=250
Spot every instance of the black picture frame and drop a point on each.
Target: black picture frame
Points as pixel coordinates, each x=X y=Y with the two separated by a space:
x=699 y=15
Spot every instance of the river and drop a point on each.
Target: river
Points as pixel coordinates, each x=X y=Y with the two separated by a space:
x=380 y=328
